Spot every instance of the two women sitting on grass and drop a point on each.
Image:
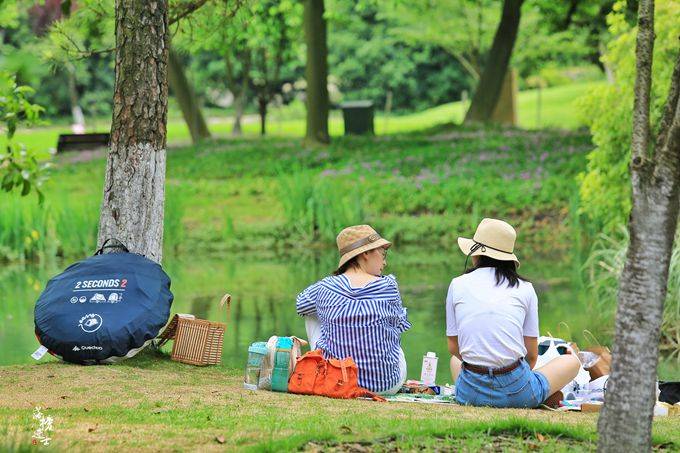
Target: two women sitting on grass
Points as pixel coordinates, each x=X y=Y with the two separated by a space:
x=491 y=320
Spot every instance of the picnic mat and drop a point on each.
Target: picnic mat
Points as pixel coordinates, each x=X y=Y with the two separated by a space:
x=421 y=398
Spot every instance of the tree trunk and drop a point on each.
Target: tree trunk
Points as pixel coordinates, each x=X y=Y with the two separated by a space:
x=239 y=107
x=186 y=98
x=316 y=72
x=262 y=104
x=486 y=95
x=240 y=91
x=76 y=111
x=132 y=206
x=626 y=421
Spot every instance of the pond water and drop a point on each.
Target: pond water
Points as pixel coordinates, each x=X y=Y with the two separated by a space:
x=264 y=290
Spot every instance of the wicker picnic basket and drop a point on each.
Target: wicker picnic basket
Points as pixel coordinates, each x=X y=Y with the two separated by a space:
x=197 y=341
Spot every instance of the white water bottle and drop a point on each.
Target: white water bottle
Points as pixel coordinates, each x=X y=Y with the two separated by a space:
x=428 y=374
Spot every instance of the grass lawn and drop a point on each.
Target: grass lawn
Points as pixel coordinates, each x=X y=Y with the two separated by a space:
x=276 y=192
x=558 y=110
x=151 y=403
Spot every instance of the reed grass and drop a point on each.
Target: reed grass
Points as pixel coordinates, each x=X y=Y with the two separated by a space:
x=603 y=269
x=317 y=208
x=65 y=226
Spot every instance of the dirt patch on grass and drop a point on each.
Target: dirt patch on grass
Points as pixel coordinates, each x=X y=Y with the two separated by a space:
x=490 y=443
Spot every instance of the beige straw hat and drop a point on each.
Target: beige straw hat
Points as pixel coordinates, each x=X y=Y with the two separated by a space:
x=493 y=238
x=357 y=239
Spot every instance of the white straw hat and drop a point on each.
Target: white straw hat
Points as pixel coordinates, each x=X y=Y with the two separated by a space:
x=493 y=238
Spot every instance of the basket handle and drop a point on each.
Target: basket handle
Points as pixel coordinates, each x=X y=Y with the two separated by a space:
x=226 y=299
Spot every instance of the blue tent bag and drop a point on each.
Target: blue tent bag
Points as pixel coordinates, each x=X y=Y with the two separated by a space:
x=104 y=308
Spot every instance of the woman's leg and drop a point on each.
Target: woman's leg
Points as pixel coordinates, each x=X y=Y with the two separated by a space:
x=313 y=327
x=456 y=365
x=560 y=371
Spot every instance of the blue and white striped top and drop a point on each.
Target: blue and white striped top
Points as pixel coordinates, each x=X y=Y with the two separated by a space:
x=362 y=323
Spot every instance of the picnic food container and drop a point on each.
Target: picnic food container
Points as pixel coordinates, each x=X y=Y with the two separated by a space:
x=196 y=341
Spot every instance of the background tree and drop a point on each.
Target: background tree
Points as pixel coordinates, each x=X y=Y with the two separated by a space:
x=257 y=46
x=488 y=89
x=134 y=187
x=186 y=98
x=371 y=55
x=626 y=421
x=273 y=34
x=466 y=34
x=216 y=37
x=316 y=72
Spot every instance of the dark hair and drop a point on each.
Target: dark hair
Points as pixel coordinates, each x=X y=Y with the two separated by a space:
x=505 y=270
x=352 y=262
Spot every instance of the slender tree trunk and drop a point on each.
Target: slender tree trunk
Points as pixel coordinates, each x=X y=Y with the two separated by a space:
x=489 y=87
x=316 y=72
x=626 y=421
x=262 y=105
x=239 y=107
x=186 y=98
x=76 y=111
x=132 y=206
x=239 y=90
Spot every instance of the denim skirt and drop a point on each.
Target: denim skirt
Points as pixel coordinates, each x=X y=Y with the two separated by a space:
x=520 y=388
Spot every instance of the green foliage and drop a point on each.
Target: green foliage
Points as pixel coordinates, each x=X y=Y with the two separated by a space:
x=368 y=58
x=603 y=269
x=414 y=186
x=317 y=208
x=605 y=186
x=257 y=42
x=465 y=35
x=19 y=168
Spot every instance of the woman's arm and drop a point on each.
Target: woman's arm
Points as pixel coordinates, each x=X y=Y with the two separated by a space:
x=530 y=328
x=531 y=343
x=453 y=347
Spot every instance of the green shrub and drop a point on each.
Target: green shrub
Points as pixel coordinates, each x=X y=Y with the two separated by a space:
x=605 y=186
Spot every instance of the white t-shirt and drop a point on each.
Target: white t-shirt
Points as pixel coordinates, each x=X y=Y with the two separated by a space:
x=490 y=321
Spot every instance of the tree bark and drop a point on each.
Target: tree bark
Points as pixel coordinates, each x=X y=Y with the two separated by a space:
x=239 y=107
x=239 y=90
x=262 y=105
x=486 y=95
x=186 y=98
x=316 y=72
x=132 y=206
x=626 y=421
x=76 y=111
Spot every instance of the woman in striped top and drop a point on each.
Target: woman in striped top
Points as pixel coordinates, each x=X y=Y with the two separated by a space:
x=357 y=312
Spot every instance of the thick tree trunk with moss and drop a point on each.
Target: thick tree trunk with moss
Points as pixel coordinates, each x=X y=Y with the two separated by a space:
x=489 y=87
x=626 y=421
x=186 y=98
x=316 y=72
x=132 y=206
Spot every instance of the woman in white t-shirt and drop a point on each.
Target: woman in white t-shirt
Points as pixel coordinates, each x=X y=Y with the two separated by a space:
x=492 y=328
